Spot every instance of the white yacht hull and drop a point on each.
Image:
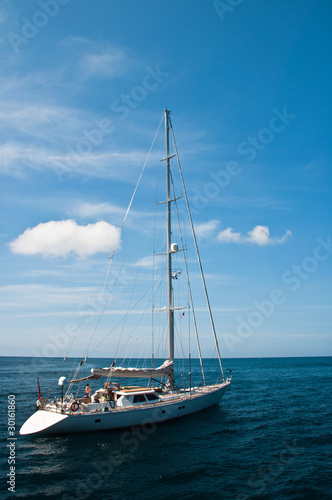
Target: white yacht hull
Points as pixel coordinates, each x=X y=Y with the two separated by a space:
x=46 y=422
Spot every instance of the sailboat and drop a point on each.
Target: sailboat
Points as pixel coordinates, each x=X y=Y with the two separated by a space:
x=116 y=406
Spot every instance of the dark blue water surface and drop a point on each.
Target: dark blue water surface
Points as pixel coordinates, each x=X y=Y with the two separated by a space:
x=269 y=439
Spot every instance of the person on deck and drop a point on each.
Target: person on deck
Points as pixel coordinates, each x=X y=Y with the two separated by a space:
x=87 y=391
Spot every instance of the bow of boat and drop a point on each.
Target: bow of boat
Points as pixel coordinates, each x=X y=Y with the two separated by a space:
x=41 y=421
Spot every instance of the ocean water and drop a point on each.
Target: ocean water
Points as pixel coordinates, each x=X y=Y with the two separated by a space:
x=270 y=438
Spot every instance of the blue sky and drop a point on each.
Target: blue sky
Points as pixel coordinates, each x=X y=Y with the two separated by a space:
x=83 y=88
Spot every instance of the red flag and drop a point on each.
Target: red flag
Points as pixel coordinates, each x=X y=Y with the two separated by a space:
x=38 y=388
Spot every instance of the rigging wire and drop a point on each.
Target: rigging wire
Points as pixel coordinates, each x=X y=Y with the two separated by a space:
x=130 y=309
x=140 y=176
x=122 y=319
x=74 y=370
x=145 y=308
x=126 y=215
x=198 y=255
x=129 y=304
x=189 y=288
x=111 y=257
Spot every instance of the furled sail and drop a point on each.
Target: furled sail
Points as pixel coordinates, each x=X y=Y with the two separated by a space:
x=165 y=370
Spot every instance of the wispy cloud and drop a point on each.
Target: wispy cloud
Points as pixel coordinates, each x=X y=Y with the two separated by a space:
x=35 y=119
x=38 y=273
x=260 y=235
x=206 y=229
x=316 y=168
x=109 y=62
x=3 y=15
x=113 y=213
x=98 y=59
x=61 y=238
x=149 y=261
x=36 y=297
x=17 y=159
x=40 y=131
x=94 y=210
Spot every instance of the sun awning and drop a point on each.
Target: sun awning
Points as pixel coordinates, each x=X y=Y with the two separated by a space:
x=165 y=370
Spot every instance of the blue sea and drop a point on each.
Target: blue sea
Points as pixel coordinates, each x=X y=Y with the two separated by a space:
x=270 y=438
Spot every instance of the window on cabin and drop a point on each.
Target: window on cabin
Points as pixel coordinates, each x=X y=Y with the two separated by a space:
x=139 y=398
x=151 y=397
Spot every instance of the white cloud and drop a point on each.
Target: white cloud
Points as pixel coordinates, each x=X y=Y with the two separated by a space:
x=37 y=296
x=3 y=16
x=54 y=123
x=94 y=210
x=109 y=62
x=206 y=229
x=97 y=59
x=60 y=238
x=149 y=262
x=228 y=236
x=260 y=235
x=41 y=134
x=16 y=158
x=113 y=213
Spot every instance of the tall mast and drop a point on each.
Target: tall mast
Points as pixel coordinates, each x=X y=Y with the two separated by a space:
x=169 y=250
